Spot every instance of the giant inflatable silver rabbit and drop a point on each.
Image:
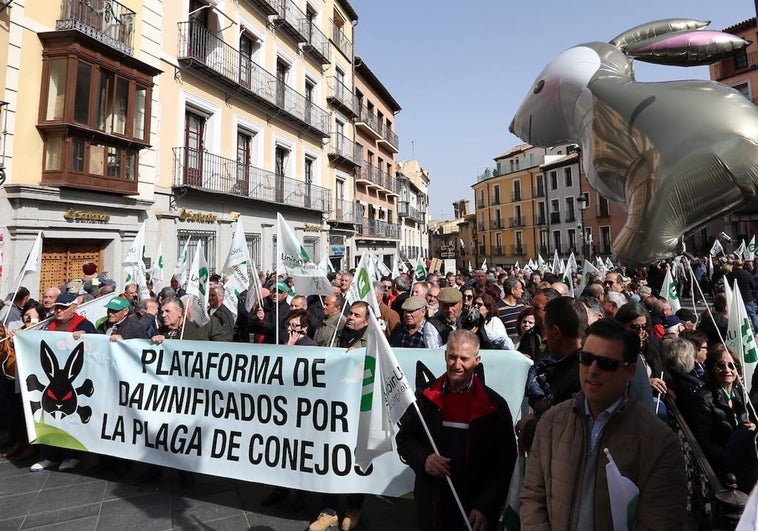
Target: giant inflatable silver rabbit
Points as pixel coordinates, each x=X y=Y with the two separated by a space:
x=675 y=154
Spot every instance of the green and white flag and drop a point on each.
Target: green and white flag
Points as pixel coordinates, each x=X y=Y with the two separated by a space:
x=717 y=248
x=419 y=270
x=589 y=273
x=197 y=287
x=134 y=264
x=361 y=288
x=325 y=265
x=568 y=281
x=181 y=271
x=750 y=250
x=668 y=291
x=571 y=264
x=623 y=494
x=511 y=518
x=236 y=269
x=531 y=265
x=541 y=263
x=380 y=267
x=608 y=264
x=387 y=393
x=294 y=261
x=156 y=272
x=740 y=337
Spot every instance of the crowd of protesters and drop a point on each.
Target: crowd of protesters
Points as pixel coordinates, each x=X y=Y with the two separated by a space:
x=679 y=358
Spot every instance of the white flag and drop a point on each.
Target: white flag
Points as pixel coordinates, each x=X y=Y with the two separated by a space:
x=750 y=250
x=589 y=273
x=716 y=248
x=134 y=264
x=362 y=288
x=571 y=264
x=512 y=514
x=181 y=271
x=32 y=264
x=484 y=265
x=516 y=266
x=156 y=272
x=419 y=270
x=470 y=269
x=541 y=264
x=197 y=286
x=236 y=269
x=568 y=281
x=295 y=262
x=740 y=251
x=668 y=291
x=386 y=396
x=608 y=264
x=623 y=494
x=531 y=265
x=325 y=265
x=381 y=268
x=556 y=264
x=739 y=336
x=749 y=518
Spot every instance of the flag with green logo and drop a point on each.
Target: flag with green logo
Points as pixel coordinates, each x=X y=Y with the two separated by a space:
x=623 y=495
x=134 y=264
x=740 y=337
x=750 y=250
x=293 y=260
x=668 y=291
x=156 y=272
x=511 y=517
x=361 y=288
x=236 y=270
x=181 y=271
x=419 y=270
x=385 y=398
x=557 y=268
x=740 y=251
x=325 y=265
x=197 y=287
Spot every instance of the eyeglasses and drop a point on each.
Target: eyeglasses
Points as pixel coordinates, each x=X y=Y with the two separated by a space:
x=638 y=327
x=603 y=363
x=610 y=282
x=468 y=297
x=720 y=365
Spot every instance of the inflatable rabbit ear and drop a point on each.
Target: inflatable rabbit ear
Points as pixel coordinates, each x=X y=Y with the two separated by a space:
x=677 y=42
x=650 y=30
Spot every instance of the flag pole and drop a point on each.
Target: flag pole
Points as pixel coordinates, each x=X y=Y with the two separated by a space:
x=449 y=480
x=184 y=318
x=22 y=274
x=276 y=277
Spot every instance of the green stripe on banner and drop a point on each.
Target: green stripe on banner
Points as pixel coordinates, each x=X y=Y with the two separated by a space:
x=369 y=372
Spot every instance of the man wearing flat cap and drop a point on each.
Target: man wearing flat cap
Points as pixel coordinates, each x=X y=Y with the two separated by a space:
x=447 y=318
x=415 y=331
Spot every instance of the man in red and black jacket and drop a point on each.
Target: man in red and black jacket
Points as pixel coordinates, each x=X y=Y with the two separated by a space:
x=473 y=430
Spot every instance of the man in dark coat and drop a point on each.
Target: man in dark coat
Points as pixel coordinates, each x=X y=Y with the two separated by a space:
x=473 y=430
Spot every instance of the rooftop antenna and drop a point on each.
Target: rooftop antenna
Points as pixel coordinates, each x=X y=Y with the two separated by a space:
x=413 y=142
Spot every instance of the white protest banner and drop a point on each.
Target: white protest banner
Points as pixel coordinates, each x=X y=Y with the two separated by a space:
x=293 y=260
x=275 y=414
x=236 y=269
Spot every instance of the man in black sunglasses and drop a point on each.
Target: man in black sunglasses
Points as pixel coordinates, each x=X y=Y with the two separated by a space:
x=575 y=434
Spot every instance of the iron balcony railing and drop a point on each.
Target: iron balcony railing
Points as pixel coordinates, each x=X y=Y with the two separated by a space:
x=517 y=222
x=376 y=176
x=498 y=250
x=268 y=7
x=555 y=217
x=730 y=66
x=495 y=201
x=482 y=249
x=345 y=211
x=389 y=135
x=369 y=118
x=341 y=41
x=342 y=146
x=515 y=196
x=570 y=216
x=496 y=224
x=291 y=19
x=106 y=21
x=344 y=97
x=213 y=173
x=405 y=210
x=540 y=220
x=380 y=229
x=198 y=44
x=518 y=250
x=539 y=191
x=317 y=44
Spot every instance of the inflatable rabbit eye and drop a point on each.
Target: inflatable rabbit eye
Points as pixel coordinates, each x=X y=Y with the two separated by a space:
x=675 y=155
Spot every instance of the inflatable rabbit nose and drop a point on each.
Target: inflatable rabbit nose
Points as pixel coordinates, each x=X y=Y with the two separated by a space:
x=675 y=155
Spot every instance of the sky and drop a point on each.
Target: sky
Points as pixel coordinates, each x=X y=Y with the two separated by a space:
x=460 y=70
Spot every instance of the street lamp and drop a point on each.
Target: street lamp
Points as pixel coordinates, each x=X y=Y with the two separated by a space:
x=582 y=202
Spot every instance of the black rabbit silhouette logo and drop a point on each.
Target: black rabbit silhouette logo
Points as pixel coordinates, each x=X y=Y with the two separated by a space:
x=59 y=397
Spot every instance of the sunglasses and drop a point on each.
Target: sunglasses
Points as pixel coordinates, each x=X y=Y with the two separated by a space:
x=637 y=327
x=610 y=282
x=478 y=304
x=721 y=365
x=603 y=363
x=468 y=297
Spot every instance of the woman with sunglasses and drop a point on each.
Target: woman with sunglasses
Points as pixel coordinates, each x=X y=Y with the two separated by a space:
x=634 y=316
x=493 y=326
x=467 y=295
x=720 y=421
x=525 y=321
